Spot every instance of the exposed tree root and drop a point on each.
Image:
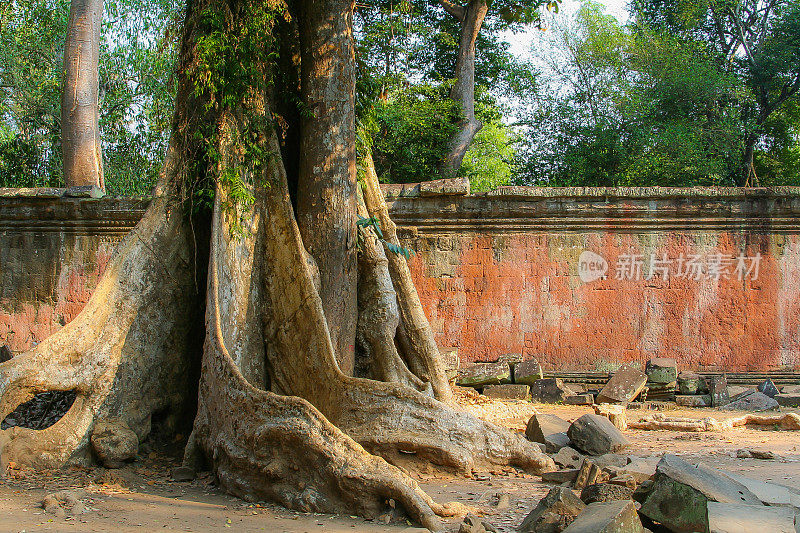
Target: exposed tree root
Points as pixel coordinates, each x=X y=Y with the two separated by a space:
x=124 y=354
x=280 y=448
x=416 y=339
x=789 y=421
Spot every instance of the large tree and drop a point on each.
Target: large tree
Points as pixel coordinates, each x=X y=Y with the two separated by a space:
x=263 y=126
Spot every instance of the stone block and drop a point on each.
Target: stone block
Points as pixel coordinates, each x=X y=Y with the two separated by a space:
x=553 y=513
x=768 y=388
x=607 y=517
x=739 y=518
x=691 y=383
x=624 y=386
x=567 y=475
x=568 y=457
x=482 y=374
x=579 y=399
x=718 y=388
x=679 y=493
x=549 y=390
x=549 y=430
x=596 y=435
x=605 y=492
x=700 y=400
x=753 y=401
x=527 y=372
x=507 y=392
x=661 y=370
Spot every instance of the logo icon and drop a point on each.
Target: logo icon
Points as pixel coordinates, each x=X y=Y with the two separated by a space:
x=591 y=267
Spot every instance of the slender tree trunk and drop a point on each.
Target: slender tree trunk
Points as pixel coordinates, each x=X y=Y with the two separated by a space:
x=80 y=133
x=326 y=195
x=463 y=91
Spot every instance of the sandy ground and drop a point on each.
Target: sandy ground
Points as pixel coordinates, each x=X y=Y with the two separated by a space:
x=141 y=497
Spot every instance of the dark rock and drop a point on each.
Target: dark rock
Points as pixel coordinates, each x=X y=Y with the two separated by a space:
x=611 y=459
x=568 y=458
x=596 y=435
x=549 y=390
x=661 y=370
x=624 y=386
x=527 y=372
x=734 y=518
x=768 y=388
x=605 y=492
x=752 y=401
x=183 y=473
x=540 y=426
x=482 y=374
x=41 y=411
x=718 y=387
x=679 y=493
x=579 y=399
x=703 y=400
x=691 y=383
x=560 y=476
x=553 y=513
x=788 y=399
x=473 y=524
x=5 y=354
x=607 y=517
x=114 y=442
x=507 y=392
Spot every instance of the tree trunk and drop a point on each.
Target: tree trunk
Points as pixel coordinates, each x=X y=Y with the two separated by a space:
x=80 y=132
x=463 y=91
x=326 y=196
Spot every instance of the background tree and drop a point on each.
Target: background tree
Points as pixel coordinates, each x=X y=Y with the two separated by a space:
x=758 y=40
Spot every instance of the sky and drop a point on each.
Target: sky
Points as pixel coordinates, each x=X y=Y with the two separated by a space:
x=521 y=42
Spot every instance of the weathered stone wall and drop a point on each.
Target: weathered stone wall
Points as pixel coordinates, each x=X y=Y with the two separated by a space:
x=499 y=272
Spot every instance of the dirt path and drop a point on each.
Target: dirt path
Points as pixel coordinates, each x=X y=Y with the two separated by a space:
x=142 y=498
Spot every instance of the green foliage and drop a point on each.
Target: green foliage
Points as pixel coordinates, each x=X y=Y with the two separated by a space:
x=373 y=224
x=632 y=112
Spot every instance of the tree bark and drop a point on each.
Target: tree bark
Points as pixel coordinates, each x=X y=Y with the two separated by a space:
x=80 y=131
x=326 y=196
x=463 y=91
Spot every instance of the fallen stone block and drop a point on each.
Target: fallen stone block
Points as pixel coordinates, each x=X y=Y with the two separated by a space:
x=510 y=358
x=611 y=459
x=549 y=390
x=787 y=399
x=568 y=475
x=661 y=370
x=769 y=493
x=718 y=388
x=790 y=389
x=507 y=391
x=549 y=430
x=703 y=400
x=691 y=383
x=641 y=468
x=527 y=372
x=624 y=386
x=625 y=480
x=579 y=399
x=605 y=492
x=615 y=414
x=739 y=518
x=679 y=492
x=607 y=517
x=568 y=457
x=183 y=473
x=587 y=475
x=482 y=374
x=553 y=513
x=596 y=435
x=768 y=388
x=753 y=401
